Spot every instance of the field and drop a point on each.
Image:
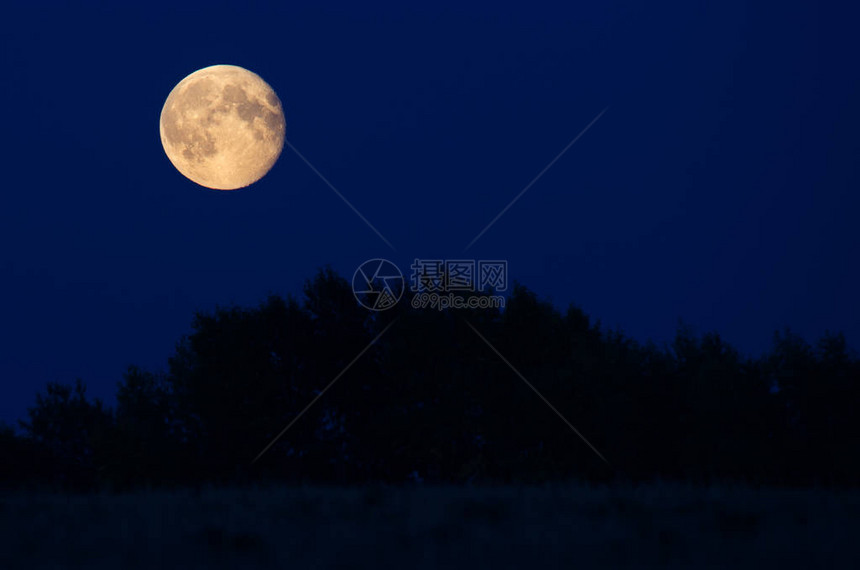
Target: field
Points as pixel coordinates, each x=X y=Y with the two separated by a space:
x=434 y=527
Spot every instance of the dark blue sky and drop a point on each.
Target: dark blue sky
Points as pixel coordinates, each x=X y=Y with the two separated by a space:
x=719 y=188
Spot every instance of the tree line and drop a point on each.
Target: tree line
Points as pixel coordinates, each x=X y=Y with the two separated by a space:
x=432 y=401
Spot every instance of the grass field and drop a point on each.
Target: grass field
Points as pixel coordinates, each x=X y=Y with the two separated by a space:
x=434 y=527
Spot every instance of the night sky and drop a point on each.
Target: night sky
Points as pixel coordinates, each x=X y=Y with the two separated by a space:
x=718 y=188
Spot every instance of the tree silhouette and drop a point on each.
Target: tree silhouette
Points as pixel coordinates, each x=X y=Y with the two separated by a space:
x=72 y=431
x=434 y=401
x=150 y=441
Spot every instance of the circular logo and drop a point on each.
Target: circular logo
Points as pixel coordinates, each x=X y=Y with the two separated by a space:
x=377 y=284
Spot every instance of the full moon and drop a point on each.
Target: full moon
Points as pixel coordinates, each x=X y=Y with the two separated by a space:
x=223 y=127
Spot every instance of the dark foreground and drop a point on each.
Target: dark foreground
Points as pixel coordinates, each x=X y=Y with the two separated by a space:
x=428 y=527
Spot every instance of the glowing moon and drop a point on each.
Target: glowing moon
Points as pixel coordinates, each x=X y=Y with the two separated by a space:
x=223 y=127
